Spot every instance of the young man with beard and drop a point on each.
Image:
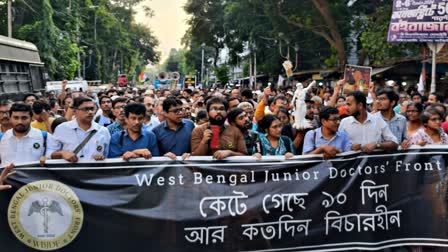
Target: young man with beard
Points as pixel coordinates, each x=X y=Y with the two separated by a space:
x=22 y=143
x=214 y=138
x=174 y=134
x=134 y=142
x=5 y=106
x=366 y=131
x=66 y=142
x=386 y=100
x=237 y=117
x=327 y=140
x=120 y=119
x=104 y=119
x=151 y=119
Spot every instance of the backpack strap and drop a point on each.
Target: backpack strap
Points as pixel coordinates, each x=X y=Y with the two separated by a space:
x=44 y=135
x=97 y=118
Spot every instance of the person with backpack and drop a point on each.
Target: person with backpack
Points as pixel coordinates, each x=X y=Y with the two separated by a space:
x=327 y=139
x=22 y=143
x=271 y=142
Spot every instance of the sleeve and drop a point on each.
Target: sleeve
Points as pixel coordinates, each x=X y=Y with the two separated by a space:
x=308 y=142
x=114 y=147
x=347 y=144
x=53 y=142
x=291 y=146
x=152 y=145
x=106 y=141
x=259 y=112
x=241 y=143
x=386 y=133
x=198 y=149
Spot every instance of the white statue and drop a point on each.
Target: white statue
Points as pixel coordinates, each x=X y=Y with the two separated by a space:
x=300 y=122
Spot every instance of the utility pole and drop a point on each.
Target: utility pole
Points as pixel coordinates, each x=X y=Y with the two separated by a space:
x=202 y=64
x=9 y=18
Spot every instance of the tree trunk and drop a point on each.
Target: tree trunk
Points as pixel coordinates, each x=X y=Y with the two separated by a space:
x=322 y=7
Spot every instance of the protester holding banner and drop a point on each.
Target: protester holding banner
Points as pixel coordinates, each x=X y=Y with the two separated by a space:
x=22 y=143
x=174 y=133
x=366 y=131
x=238 y=117
x=272 y=143
x=136 y=141
x=413 y=112
x=327 y=140
x=386 y=100
x=6 y=172
x=214 y=138
x=432 y=133
x=81 y=138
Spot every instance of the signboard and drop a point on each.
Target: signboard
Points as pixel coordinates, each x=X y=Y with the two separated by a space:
x=189 y=81
x=73 y=85
x=355 y=201
x=419 y=21
x=357 y=78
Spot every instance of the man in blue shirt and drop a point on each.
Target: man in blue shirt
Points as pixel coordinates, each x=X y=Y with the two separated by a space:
x=327 y=139
x=134 y=142
x=174 y=134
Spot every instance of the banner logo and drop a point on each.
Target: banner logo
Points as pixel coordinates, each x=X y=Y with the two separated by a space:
x=45 y=215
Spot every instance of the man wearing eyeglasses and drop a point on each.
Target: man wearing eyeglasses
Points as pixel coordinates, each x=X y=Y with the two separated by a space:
x=66 y=142
x=327 y=140
x=174 y=134
x=214 y=138
x=386 y=100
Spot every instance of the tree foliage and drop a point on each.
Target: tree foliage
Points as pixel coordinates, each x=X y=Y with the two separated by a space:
x=102 y=31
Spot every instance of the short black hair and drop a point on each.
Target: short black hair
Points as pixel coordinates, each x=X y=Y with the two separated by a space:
x=327 y=111
x=391 y=95
x=20 y=107
x=216 y=100
x=201 y=115
x=265 y=123
x=119 y=100
x=359 y=97
x=53 y=103
x=78 y=101
x=233 y=114
x=57 y=122
x=438 y=97
x=247 y=93
x=39 y=106
x=28 y=95
x=135 y=108
x=170 y=102
x=189 y=91
x=103 y=97
x=416 y=94
x=231 y=98
x=280 y=97
x=418 y=106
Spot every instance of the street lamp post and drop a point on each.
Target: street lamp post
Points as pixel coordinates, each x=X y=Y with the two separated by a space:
x=9 y=18
x=202 y=62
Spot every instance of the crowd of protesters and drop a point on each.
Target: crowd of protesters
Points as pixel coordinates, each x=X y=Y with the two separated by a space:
x=144 y=122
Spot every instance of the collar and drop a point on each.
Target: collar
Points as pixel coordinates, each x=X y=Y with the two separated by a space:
x=320 y=135
x=10 y=133
x=165 y=124
x=73 y=124
x=370 y=118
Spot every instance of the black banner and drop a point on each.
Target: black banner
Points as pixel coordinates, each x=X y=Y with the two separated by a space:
x=355 y=201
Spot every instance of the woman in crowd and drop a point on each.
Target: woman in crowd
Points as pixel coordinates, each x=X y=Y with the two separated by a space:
x=413 y=112
x=432 y=132
x=272 y=143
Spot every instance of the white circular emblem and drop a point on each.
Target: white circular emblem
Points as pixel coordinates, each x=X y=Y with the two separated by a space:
x=45 y=215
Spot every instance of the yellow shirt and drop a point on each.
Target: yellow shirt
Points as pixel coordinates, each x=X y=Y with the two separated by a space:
x=41 y=125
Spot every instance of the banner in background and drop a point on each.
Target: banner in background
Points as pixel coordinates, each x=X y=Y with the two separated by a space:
x=355 y=201
x=419 y=21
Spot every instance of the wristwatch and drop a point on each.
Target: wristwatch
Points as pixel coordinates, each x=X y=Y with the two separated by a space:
x=378 y=146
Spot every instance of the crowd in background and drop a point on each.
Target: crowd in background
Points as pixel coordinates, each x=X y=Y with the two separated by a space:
x=144 y=122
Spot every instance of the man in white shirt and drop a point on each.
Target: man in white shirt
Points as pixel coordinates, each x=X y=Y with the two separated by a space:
x=22 y=143
x=69 y=135
x=366 y=131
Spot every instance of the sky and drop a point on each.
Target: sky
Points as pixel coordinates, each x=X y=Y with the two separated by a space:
x=168 y=24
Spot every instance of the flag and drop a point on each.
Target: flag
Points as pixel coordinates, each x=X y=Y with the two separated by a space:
x=142 y=77
x=422 y=80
